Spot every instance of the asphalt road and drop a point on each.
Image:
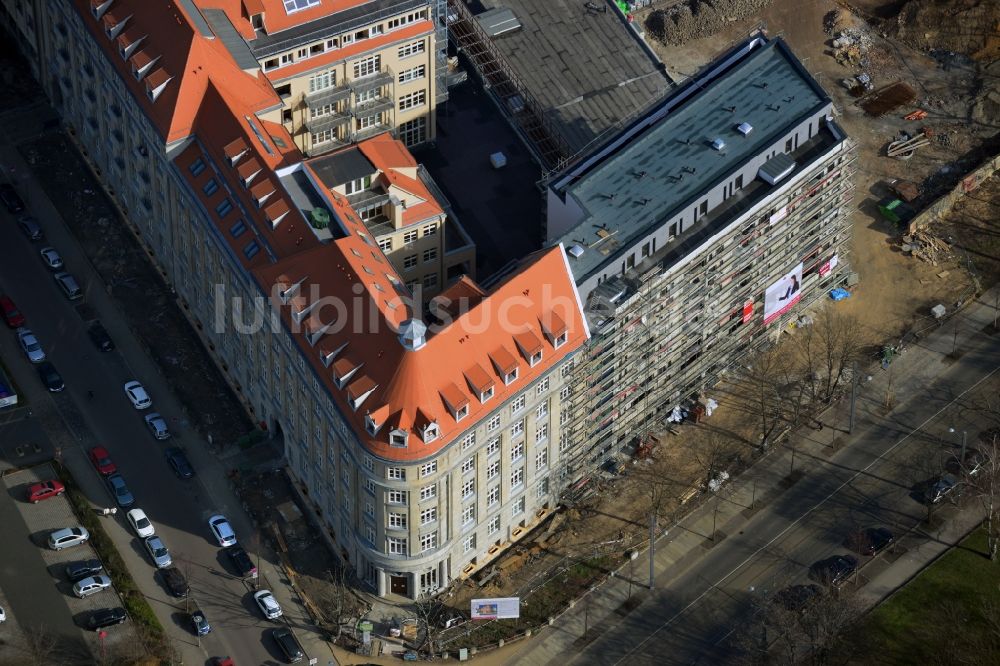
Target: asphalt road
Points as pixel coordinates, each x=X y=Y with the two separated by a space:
x=694 y=618
x=178 y=509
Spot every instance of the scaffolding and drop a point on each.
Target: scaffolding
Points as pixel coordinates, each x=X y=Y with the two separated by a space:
x=660 y=335
x=498 y=77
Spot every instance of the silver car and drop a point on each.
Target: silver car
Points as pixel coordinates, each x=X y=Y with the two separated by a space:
x=68 y=537
x=29 y=343
x=92 y=585
x=158 y=552
x=51 y=258
x=268 y=604
x=157 y=425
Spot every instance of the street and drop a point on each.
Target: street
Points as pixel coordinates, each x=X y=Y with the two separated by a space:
x=74 y=421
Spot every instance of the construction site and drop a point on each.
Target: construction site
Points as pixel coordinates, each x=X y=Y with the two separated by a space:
x=922 y=105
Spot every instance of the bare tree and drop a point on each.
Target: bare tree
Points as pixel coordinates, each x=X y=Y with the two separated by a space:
x=36 y=645
x=827 y=349
x=982 y=471
x=769 y=389
x=340 y=604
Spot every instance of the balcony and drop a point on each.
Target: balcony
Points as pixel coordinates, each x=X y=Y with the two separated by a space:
x=327 y=96
x=372 y=107
x=373 y=81
x=328 y=121
x=368 y=132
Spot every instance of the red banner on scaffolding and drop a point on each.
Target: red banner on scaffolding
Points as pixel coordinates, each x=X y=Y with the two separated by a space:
x=747 y=311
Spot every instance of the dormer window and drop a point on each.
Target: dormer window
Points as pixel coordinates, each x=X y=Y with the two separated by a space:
x=486 y=395
x=535 y=359
x=343 y=370
x=530 y=346
x=370 y=425
x=98 y=7
x=398 y=438
x=113 y=26
x=510 y=377
x=559 y=341
x=359 y=390
x=462 y=413
x=555 y=329
x=431 y=432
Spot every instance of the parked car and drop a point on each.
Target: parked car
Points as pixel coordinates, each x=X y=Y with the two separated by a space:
x=175 y=582
x=834 y=571
x=797 y=597
x=140 y=523
x=869 y=541
x=11 y=315
x=101 y=460
x=106 y=617
x=973 y=463
x=50 y=377
x=93 y=585
x=45 y=490
x=11 y=199
x=287 y=644
x=200 y=623
x=157 y=425
x=179 y=462
x=267 y=604
x=244 y=565
x=223 y=661
x=80 y=569
x=944 y=486
x=51 y=258
x=222 y=530
x=99 y=336
x=29 y=226
x=68 y=537
x=452 y=618
x=29 y=343
x=70 y=287
x=119 y=490
x=3 y=615
x=158 y=552
x=137 y=395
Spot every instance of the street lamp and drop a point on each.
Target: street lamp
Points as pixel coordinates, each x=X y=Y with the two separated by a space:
x=961 y=457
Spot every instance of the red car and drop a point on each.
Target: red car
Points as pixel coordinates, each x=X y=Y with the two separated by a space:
x=11 y=314
x=102 y=461
x=45 y=490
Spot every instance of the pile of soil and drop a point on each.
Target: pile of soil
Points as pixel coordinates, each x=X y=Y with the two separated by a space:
x=692 y=19
x=969 y=27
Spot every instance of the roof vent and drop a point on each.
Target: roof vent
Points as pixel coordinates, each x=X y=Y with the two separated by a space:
x=413 y=334
x=718 y=144
x=744 y=128
x=575 y=251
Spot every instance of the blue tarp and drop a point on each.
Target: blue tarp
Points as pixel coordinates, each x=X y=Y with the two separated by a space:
x=839 y=294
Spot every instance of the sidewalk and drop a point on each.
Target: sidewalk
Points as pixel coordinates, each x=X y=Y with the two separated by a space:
x=686 y=542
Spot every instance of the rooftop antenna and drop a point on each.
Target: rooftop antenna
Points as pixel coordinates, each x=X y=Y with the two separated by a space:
x=731 y=109
x=639 y=175
x=643 y=202
x=774 y=107
x=687 y=169
x=609 y=197
x=762 y=85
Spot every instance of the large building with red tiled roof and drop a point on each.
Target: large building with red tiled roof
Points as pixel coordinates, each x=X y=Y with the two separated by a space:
x=424 y=428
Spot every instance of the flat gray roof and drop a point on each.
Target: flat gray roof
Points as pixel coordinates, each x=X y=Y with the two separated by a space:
x=233 y=41
x=665 y=160
x=582 y=66
x=342 y=166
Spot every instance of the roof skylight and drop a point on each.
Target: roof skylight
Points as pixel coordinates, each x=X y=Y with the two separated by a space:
x=298 y=5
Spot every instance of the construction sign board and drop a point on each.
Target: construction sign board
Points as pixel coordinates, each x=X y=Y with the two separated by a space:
x=504 y=608
x=783 y=294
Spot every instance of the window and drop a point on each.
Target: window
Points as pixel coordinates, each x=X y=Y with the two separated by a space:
x=541 y=432
x=428 y=516
x=517 y=452
x=367 y=66
x=397 y=439
x=493 y=447
x=410 y=237
x=358 y=185
x=510 y=377
x=374 y=120
x=370 y=486
x=494 y=526
x=320 y=111
x=428 y=541
x=493 y=496
x=410 y=262
x=468 y=465
x=428 y=468
x=429 y=581
x=396 y=545
x=322 y=136
x=517 y=429
x=397 y=497
x=469 y=515
x=541 y=459
x=412 y=74
x=370 y=509
x=413 y=99
x=292 y=6
x=560 y=341
x=385 y=244
x=395 y=473
x=517 y=404
x=370 y=533
x=564 y=392
x=486 y=395
x=469 y=543
x=430 y=280
x=493 y=470
x=397 y=520
x=518 y=507
x=369 y=461
x=431 y=254
x=197 y=167
x=468 y=442
x=542 y=410
x=251 y=249
x=413 y=131
x=493 y=423
x=322 y=81
x=542 y=489
x=412 y=48
x=429 y=230
x=564 y=417
x=211 y=187
x=468 y=488
x=428 y=492
x=224 y=208
x=542 y=387
x=517 y=477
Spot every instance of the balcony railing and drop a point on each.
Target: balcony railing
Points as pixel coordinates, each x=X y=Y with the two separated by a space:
x=328 y=121
x=362 y=134
x=381 y=78
x=327 y=96
x=373 y=106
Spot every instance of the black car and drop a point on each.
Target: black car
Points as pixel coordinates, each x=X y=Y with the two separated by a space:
x=244 y=565
x=797 y=597
x=175 y=582
x=10 y=198
x=974 y=462
x=81 y=569
x=289 y=647
x=50 y=377
x=99 y=336
x=106 y=617
x=834 y=571
x=200 y=623
x=29 y=226
x=869 y=541
x=940 y=488
x=179 y=462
